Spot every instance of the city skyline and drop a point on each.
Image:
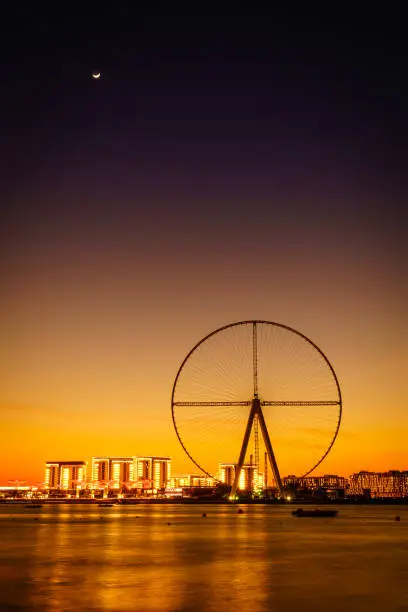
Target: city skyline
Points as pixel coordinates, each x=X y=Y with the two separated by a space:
x=207 y=177
x=138 y=477
x=89 y=470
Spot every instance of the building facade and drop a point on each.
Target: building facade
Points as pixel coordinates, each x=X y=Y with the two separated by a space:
x=152 y=472
x=145 y=473
x=249 y=479
x=327 y=482
x=190 y=480
x=391 y=484
x=113 y=471
x=65 y=475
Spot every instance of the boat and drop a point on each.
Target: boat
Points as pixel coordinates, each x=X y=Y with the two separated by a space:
x=33 y=506
x=314 y=513
x=106 y=505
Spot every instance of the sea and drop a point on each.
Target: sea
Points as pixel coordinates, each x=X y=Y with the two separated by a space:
x=202 y=558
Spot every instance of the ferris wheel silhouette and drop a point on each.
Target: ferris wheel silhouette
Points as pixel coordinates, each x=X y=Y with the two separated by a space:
x=253 y=376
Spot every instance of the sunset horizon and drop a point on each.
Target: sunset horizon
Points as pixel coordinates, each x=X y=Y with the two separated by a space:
x=203 y=313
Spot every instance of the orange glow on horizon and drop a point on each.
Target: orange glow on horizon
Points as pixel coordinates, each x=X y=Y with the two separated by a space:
x=93 y=337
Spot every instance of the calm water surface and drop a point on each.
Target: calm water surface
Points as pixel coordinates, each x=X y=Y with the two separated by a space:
x=129 y=558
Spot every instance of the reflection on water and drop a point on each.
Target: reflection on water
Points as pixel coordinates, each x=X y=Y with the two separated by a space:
x=131 y=558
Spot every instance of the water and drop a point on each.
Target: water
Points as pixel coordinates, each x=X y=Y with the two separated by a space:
x=74 y=558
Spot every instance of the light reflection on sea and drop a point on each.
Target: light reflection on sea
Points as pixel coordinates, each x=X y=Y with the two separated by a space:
x=129 y=558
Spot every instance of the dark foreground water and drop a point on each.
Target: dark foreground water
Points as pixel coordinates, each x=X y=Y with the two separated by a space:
x=129 y=558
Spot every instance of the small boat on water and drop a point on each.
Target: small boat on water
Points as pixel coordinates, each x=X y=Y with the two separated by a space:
x=314 y=513
x=33 y=506
x=106 y=505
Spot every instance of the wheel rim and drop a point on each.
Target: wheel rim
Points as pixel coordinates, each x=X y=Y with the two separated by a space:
x=298 y=388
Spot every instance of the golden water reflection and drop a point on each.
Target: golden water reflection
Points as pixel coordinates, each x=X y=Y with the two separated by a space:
x=173 y=559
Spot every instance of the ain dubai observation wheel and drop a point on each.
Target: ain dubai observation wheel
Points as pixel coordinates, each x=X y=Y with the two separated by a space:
x=255 y=375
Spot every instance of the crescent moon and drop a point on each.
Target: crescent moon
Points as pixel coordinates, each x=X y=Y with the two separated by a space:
x=96 y=75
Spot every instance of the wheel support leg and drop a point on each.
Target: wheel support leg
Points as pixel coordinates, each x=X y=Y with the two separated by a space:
x=256 y=410
x=269 y=449
x=244 y=448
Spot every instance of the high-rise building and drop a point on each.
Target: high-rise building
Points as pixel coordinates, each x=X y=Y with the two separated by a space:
x=65 y=475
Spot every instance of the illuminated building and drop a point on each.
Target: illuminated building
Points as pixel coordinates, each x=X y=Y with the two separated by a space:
x=152 y=472
x=12 y=491
x=290 y=481
x=100 y=469
x=327 y=482
x=142 y=472
x=249 y=478
x=174 y=492
x=113 y=470
x=227 y=473
x=380 y=484
x=65 y=475
x=190 y=480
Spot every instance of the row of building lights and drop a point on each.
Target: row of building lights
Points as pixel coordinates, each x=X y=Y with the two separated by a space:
x=150 y=475
x=145 y=473
x=154 y=473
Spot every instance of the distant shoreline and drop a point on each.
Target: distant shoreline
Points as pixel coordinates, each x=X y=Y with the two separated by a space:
x=203 y=501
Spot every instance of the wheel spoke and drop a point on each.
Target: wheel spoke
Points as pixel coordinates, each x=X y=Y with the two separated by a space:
x=244 y=403
x=255 y=358
x=300 y=403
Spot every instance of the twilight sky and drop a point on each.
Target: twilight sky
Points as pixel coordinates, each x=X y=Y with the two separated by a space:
x=222 y=169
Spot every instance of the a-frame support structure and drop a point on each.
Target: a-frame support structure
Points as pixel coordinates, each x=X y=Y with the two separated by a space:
x=256 y=410
x=256 y=413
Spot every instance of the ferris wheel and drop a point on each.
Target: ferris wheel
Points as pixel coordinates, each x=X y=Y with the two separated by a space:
x=256 y=377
